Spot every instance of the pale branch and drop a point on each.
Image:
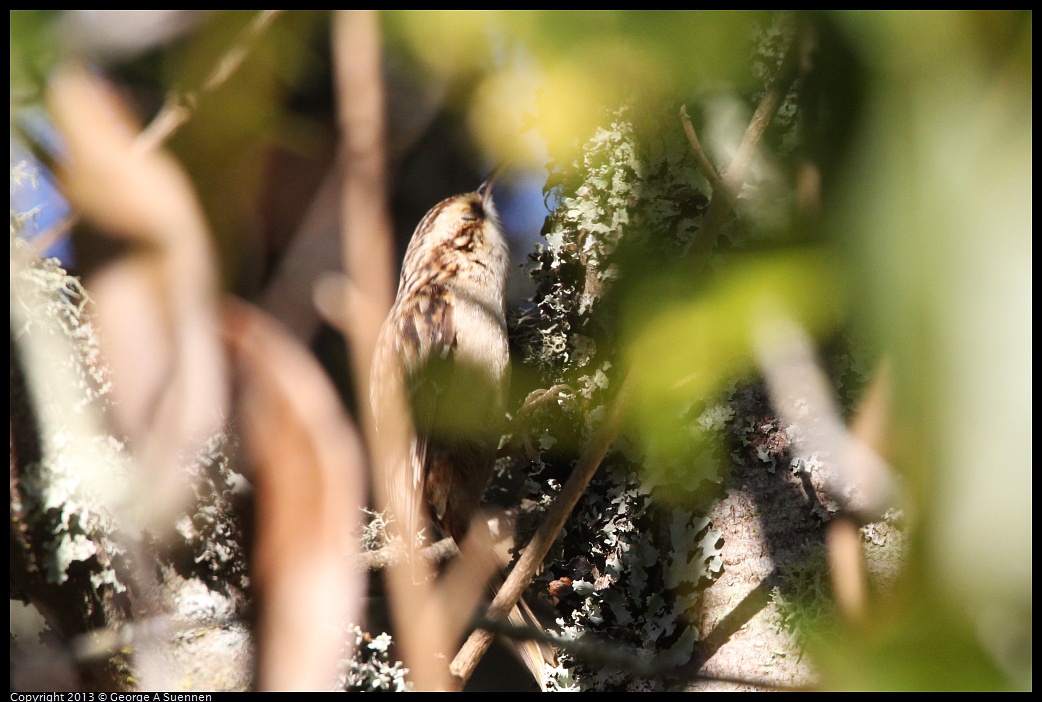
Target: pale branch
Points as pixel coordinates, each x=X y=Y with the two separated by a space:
x=368 y=257
x=540 y=398
x=535 y=400
x=367 y=234
x=396 y=553
x=498 y=525
x=703 y=162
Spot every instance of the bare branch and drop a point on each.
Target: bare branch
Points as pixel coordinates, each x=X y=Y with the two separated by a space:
x=723 y=199
x=368 y=242
x=314 y=253
x=178 y=109
x=368 y=250
x=609 y=655
x=704 y=164
x=477 y=644
x=858 y=478
x=396 y=553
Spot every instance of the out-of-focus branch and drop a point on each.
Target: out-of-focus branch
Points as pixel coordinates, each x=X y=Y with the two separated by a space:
x=607 y=654
x=178 y=108
x=176 y=111
x=865 y=460
x=725 y=190
x=156 y=314
x=704 y=164
x=859 y=480
x=156 y=306
x=856 y=476
x=296 y=286
x=368 y=249
x=500 y=525
x=308 y=469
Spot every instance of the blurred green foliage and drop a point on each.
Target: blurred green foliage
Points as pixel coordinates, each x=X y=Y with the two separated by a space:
x=682 y=351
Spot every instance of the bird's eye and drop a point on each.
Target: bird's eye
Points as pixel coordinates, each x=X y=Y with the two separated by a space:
x=471 y=214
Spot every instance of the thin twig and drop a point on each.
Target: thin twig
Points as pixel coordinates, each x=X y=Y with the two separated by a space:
x=536 y=400
x=498 y=524
x=847 y=568
x=178 y=108
x=48 y=238
x=704 y=164
x=540 y=398
x=724 y=197
x=477 y=644
x=394 y=554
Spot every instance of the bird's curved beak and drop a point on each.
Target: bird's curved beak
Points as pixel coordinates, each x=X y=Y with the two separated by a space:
x=485 y=189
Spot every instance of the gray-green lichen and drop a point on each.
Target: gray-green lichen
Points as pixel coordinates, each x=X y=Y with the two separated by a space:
x=370 y=667
x=636 y=552
x=66 y=492
x=644 y=194
x=210 y=527
x=635 y=563
x=75 y=553
x=84 y=473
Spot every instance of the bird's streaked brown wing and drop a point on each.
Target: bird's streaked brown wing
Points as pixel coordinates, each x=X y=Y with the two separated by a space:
x=416 y=335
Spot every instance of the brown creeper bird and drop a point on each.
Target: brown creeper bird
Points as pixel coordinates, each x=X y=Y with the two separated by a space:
x=444 y=348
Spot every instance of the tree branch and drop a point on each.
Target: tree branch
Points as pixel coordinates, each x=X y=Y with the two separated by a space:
x=477 y=644
x=725 y=191
x=368 y=251
x=704 y=164
x=178 y=108
x=607 y=654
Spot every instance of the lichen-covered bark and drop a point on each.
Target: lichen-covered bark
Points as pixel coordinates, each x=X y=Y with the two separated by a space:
x=670 y=540
x=64 y=559
x=103 y=590
x=636 y=562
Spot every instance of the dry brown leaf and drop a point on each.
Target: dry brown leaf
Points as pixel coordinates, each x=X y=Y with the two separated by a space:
x=157 y=305
x=308 y=468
